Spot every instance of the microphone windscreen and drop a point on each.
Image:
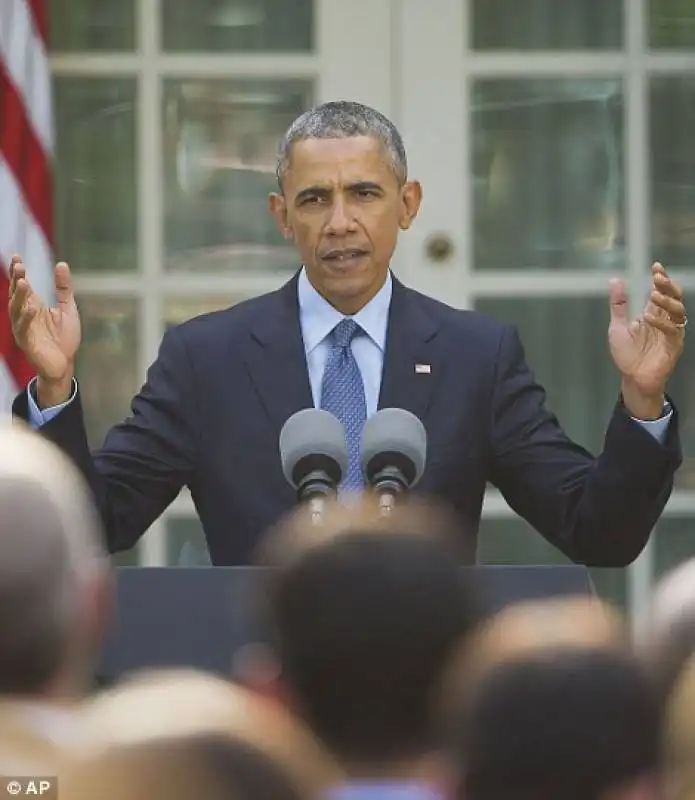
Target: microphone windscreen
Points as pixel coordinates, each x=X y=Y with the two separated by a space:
x=313 y=439
x=394 y=437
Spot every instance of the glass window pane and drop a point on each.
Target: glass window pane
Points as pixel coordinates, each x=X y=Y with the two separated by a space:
x=95 y=173
x=238 y=25
x=107 y=363
x=107 y=371
x=565 y=344
x=548 y=174
x=185 y=543
x=674 y=542
x=671 y=119
x=513 y=541
x=180 y=309
x=546 y=24
x=82 y=25
x=671 y=23
x=129 y=558
x=220 y=149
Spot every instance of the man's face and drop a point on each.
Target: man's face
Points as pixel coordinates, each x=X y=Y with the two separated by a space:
x=342 y=205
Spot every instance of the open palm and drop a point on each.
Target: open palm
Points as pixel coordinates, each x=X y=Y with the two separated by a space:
x=646 y=349
x=49 y=337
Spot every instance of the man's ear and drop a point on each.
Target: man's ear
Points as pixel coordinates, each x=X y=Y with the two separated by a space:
x=278 y=208
x=411 y=198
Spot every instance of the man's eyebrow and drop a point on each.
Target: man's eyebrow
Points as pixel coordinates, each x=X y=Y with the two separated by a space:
x=365 y=186
x=312 y=191
x=322 y=191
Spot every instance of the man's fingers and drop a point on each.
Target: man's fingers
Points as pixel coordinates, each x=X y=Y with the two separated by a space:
x=61 y=279
x=63 y=284
x=663 y=324
x=618 y=300
x=19 y=297
x=665 y=285
x=17 y=270
x=25 y=318
x=24 y=305
x=673 y=309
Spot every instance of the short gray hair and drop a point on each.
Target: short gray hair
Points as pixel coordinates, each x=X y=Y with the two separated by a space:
x=341 y=119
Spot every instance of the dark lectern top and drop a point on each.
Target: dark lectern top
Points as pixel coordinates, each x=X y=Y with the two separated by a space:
x=200 y=616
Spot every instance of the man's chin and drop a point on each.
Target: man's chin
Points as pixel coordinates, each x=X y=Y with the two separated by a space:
x=349 y=295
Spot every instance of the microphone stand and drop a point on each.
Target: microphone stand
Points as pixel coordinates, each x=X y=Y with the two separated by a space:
x=389 y=483
x=387 y=504
x=313 y=489
x=316 y=508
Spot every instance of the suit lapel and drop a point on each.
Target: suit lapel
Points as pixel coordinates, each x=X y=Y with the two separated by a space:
x=277 y=362
x=276 y=359
x=411 y=361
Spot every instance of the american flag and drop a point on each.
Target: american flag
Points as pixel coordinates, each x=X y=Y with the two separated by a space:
x=26 y=151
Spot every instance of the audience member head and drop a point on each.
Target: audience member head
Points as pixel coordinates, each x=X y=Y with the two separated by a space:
x=556 y=622
x=362 y=625
x=679 y=734
x=536 y=625
x=177 y=703
x=209 y=766
x=55 y=589
x=299 y=530
x=667 y=638
x=571 y=724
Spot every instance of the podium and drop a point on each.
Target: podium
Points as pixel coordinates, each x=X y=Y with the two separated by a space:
x=201 y=616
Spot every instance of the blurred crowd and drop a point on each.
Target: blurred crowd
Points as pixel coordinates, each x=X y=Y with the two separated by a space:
x=380 y=675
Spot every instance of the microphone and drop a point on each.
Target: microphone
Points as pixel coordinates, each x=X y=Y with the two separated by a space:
x=314 y=457
x=394 y=451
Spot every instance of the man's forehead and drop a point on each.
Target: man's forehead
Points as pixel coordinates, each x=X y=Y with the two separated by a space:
x=344 y=160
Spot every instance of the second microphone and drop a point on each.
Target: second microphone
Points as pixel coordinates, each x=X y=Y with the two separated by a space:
x=314 y=456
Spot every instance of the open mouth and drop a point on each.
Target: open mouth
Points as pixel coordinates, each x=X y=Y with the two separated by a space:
x=338 y=257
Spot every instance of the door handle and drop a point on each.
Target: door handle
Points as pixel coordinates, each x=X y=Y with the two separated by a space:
x=439 y=247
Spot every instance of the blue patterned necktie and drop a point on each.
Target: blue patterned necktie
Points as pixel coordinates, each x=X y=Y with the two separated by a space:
x=342 y=393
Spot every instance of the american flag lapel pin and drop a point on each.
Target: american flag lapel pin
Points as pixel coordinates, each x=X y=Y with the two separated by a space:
x=423 y=369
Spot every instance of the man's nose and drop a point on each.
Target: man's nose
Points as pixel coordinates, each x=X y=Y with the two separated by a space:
x=341 y=221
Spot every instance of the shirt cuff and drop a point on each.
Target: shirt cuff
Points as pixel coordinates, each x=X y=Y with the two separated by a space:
x=657 y=428
x=39 y=417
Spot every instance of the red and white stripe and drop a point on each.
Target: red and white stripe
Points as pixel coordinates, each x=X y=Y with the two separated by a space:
x=26 y=152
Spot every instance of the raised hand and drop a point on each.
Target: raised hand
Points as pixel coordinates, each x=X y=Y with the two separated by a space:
x=646 y=349
x=48 y=336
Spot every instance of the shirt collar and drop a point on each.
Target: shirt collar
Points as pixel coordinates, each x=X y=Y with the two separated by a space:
x=383 y=790
x=318 y=317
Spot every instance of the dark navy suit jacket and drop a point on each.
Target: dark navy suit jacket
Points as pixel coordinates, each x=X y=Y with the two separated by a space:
x=211 y=410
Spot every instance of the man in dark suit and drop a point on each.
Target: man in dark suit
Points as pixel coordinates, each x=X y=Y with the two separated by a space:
x=346 y=335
